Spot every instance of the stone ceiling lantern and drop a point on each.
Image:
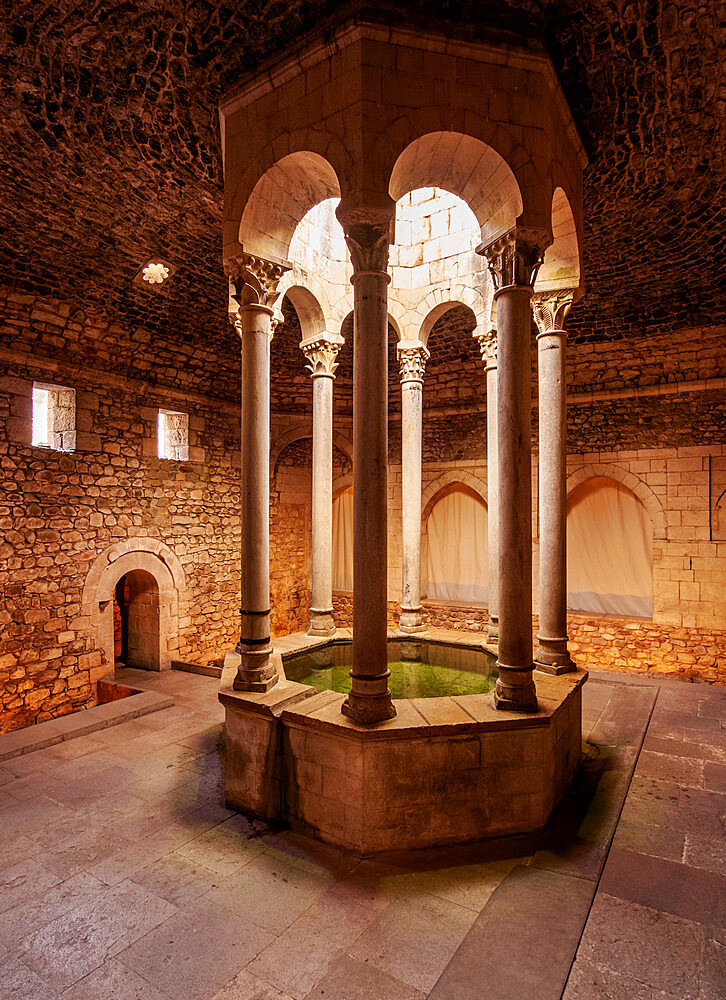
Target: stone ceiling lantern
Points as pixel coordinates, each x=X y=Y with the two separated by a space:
x=366 y=114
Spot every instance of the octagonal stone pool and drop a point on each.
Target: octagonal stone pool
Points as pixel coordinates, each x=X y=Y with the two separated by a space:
x=419 y=669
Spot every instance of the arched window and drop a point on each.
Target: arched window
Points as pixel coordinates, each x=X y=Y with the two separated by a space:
x=457 y=552
x=609 y=551
x=343 y=541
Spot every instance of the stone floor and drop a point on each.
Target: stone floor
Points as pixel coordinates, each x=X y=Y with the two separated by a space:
x=123 y=876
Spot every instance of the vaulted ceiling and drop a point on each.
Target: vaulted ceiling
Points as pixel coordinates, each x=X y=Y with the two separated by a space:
x=110 y=153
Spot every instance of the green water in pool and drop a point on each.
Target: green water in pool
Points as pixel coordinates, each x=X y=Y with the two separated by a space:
x=419 y=669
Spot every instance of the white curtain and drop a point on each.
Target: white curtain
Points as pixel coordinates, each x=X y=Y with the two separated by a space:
x=457 y=556
x=343 y=541
x=609 y=551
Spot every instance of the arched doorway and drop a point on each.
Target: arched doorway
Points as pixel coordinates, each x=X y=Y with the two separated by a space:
x=609 y=550
x=456 y=550
x=136 y=621
x=155 y=559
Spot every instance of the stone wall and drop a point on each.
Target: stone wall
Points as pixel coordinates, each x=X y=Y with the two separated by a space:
x=60 y=512
x=687 y=636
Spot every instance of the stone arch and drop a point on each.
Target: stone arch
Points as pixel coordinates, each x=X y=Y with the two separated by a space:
x=341 y=484
x=636 y=485
x=469 y=168
x=451 y=478
x=437 y=304
x=309 y=310
x=561 y=264
x=153 y=557
x=431 y=495
x=280 y=199
x=298 y=434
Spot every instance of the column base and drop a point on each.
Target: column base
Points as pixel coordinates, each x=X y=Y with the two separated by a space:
x=515 y=692
x=553 y=657
x=369 y=700
x=411 y=620
x=255 y=672
x=321 y=622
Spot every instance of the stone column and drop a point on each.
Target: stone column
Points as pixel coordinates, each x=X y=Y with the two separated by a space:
x=488 y=348
x=550 y=309
x=368 y=236
x=321 y=353
x=513 y=262
x=412 y=357
x=253 y=292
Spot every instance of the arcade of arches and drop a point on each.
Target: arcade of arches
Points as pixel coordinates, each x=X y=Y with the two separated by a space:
x=646 y=452
x=362 y=500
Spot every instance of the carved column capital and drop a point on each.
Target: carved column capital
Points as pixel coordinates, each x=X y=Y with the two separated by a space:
x=487 y=346
x=321 y=353
x=253 y=280
x=551 y=308
x=412 y=357
x=368 y=230
x=515 y=257
x=368 y=247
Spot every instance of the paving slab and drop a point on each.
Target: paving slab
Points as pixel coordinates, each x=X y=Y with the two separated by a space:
x=660 y=950
x=77 y=942
x=196 y=952
x=360 y=981
x=542 y=914
x=114 y=981
x=668 y=886
x=413 y=939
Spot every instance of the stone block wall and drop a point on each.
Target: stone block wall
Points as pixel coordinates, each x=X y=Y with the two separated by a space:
x=679 y=487
x=64 y=512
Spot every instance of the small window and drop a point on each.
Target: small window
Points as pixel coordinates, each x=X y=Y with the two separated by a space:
x=173 y=435
x=54 y=417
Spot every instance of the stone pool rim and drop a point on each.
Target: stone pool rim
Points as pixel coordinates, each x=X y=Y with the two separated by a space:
x=444 y=770
x=286 y=699
x=397 y=636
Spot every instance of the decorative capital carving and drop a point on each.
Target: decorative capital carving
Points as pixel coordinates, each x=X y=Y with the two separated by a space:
x=321 y=353
x=551 y=308
x=515 y=257
x=368 y=246
x=412 y=357
x=488 y=346
x=253 y=280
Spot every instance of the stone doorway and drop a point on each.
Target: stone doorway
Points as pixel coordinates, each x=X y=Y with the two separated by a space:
x=144 y=559
x=136 y=621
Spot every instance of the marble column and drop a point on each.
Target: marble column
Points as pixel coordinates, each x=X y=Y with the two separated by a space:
x=488 y=347
x=252 y=294
x=550 y=309
x=321 y=353
x=368 y=237
x=513 y=261
x=412 y=357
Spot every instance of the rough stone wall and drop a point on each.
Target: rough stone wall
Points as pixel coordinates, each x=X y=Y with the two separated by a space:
x=688 y=633
x=291 y=533
x=59 y=511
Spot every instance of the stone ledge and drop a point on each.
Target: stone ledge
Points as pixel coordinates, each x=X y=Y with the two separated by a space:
x=89 y=720
x=196 y=668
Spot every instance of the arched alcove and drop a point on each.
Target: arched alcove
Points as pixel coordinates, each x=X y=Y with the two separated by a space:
x=467 y=168
x=343 y=540
x=561 y=265
x=280 y=200
x=455 y=547
x=609 y=550
x=146 y=555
